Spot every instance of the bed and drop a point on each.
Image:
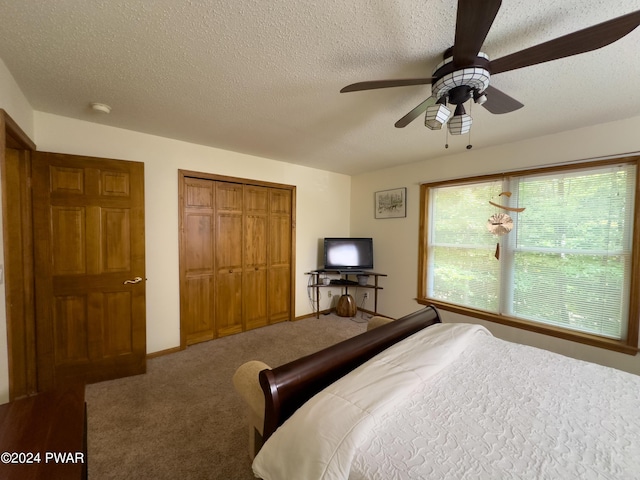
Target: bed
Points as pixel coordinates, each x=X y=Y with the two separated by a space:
x=420 y=399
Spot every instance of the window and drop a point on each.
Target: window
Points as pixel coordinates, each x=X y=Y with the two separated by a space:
x=568 y=267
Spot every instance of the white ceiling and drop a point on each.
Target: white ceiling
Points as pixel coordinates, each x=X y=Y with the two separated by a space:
x=263 y=76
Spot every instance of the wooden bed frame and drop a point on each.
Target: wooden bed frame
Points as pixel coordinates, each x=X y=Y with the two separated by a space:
x=287 y=387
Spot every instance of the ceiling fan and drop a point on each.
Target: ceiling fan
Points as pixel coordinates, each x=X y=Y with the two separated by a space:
x=465 y=71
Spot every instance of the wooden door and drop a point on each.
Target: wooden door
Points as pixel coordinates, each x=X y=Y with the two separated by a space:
x=280 y=244
x=229 y=246
x=17 y=234
x=90 y=268
x=18 y=270
x=256 y=234
x=197 y=251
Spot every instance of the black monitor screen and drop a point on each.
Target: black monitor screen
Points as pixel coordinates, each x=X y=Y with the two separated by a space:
x=348 y=253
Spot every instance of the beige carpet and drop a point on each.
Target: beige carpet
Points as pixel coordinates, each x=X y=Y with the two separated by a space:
x=183 y=419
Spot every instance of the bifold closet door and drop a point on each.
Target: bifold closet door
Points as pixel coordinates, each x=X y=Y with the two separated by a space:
x=280 y=244
x=236 y=257
x=229 y=246
x=197 y=294
x=256 y=234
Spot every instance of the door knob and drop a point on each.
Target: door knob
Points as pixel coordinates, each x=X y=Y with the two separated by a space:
x=135 y=280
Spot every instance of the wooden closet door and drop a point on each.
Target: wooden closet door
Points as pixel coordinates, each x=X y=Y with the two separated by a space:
x=236 y=255
x=280 y=241
x=197 y=302
x=229 y=246
x=256 y=234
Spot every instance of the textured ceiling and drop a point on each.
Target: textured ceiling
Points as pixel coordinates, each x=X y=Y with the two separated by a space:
x=263 y=77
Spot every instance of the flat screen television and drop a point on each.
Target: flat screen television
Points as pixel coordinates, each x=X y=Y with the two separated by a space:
x=348 y=253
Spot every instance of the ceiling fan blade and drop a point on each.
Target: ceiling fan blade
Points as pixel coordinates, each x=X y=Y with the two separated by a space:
x=582 y=41
x=356 y=87
x=473 y=21
x=500 y=102
x=415 y=113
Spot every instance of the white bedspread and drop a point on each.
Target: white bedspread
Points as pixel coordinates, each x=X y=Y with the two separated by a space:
x=490 y=410
x=320 y=439
x=507 y=411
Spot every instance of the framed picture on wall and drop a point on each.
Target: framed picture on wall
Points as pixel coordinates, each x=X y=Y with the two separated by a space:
x=391 y=203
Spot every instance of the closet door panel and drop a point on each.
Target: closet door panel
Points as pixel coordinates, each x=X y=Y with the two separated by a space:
x=279 y=256
x=280 y=242
x=255 y=272
x=199 y=309
x=229 y=247
x=279 y=294
x=197 y=305
x=256 y=200
x=255 y=299
x=256 y=233
x=229 y=304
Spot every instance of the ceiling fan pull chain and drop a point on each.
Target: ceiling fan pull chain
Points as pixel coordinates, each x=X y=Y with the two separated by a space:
x=469 y=146
x=446 y=137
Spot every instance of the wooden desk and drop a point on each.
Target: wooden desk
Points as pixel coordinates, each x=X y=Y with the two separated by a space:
x=48 y=430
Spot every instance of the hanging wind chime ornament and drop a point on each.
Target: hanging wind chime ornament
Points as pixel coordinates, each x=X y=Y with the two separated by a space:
x=500 y=224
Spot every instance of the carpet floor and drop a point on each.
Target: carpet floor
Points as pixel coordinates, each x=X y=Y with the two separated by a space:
x=183 y=418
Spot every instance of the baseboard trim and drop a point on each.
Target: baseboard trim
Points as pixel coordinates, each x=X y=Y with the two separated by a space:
x=312 y=314
x=329 y=310
x=163 y=352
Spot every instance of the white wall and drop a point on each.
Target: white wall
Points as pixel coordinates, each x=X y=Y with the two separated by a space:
x=318 y=192
x=396 y=240
x=13 y=101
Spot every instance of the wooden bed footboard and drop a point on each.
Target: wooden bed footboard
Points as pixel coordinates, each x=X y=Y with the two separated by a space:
x=287 y=387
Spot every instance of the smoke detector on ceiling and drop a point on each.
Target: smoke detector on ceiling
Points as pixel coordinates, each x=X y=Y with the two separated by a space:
x=101 y=107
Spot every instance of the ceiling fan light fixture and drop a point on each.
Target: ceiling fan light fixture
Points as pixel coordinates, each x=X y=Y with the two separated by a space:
x=460 y=124
x=437 y=115
x=479 y=97
x=474 y=77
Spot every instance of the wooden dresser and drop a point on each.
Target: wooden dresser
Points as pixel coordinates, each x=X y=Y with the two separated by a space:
x=44 y=436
